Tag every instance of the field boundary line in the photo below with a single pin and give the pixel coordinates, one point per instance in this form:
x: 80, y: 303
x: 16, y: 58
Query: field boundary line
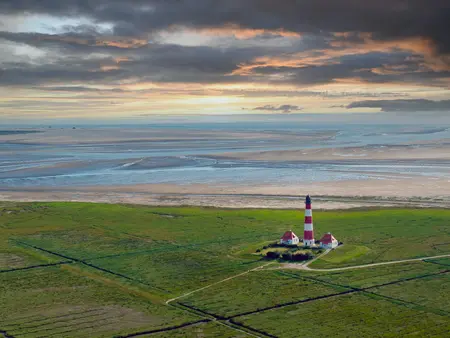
x: 437, y: 263
x: 6, y: 334
x: 266, y: 334
x: 36, y: 266
x: 170, y: 328
x: 212, y: 317
x: 401, y: 302
x: 203, y: 312
x: 294, y: 266
x: 77, y: 260
x: 217, y: 318
x: 397, y: 281
x: 307, y: 300
x: 232, y: 326
x: 219, y: 282
x: 350, y: 290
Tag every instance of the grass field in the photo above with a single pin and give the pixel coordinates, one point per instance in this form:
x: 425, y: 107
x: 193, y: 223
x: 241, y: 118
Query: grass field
x: 55, y: 301
x: 369, y: 277
x: 96, y: 270
x: 201, y: 330
x: 255, y: 291
x: 353, y: 315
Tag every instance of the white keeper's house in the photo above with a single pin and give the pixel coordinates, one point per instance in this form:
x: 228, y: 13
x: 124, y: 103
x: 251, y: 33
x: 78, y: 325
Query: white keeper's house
x: 289, y: 238
x: 328, y: 241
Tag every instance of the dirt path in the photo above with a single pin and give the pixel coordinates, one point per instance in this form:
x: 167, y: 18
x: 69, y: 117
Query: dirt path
x: 305, y: 266
x: 221, y: 281
x: 226, y: 323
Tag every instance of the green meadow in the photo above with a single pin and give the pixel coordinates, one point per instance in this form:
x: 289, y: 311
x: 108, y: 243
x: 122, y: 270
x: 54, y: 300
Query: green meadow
x: 100, y: 270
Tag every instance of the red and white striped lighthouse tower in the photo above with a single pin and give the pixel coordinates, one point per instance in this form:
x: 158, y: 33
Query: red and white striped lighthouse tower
x: 308, y: 235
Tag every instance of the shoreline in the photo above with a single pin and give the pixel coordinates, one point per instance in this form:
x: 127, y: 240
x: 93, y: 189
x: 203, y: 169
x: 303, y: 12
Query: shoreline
x: 229, y: 201
x: 400, y: 191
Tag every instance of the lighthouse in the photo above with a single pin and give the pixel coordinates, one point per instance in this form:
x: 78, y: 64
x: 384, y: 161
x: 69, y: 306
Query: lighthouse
x: 308, y: 235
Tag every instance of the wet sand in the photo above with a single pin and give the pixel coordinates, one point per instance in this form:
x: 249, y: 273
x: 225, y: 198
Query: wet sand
x: 80, y: 136
x: 426, y: 151
x: 417, y: 192
x: 89, y: 151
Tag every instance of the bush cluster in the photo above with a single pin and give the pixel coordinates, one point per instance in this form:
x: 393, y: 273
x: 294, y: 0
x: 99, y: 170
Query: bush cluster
x: 278, y: 245
x: 273, y: 254
x: 288, y: 256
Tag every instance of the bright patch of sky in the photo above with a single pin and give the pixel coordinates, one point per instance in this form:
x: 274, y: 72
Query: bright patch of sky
x: 16, y: 52
x: 45, y: 24
x: 193, y: 38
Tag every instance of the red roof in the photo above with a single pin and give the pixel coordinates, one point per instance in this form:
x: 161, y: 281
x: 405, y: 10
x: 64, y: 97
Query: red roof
x: 327, y: 238
x: 288, y: 236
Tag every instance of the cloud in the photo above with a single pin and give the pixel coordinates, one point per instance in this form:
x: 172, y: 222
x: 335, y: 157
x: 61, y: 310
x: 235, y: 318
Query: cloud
x: 307, y: 93
x: 349, y: 42
x: 79, y: 89
x: 285, y: 108
x: 74, y: 40
x: 386, y: 19
x: 80, y: 63
x: 244, y: 48
x: 409, y: 105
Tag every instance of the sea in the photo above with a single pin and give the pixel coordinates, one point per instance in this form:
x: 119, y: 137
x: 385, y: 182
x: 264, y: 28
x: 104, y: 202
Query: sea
x: 188, y: 150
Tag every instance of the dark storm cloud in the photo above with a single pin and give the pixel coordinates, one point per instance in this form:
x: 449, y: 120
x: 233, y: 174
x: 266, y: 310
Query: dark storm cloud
x: 80, y: 62
x: 410, y: 105
x: 79, y: 89
x: 74, y: 43
x: 155, y: 63
x: 284, y: 108
x: 53, y: 104
x: 81, y: 58
x: 369, y: 67
x: 88, y: 54
x: 49, y: 74
x: 386, y: 19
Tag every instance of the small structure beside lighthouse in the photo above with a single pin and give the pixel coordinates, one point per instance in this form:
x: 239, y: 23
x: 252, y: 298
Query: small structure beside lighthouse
x: 308, y: 234
x: 328, y: 241
x: 289, y: 238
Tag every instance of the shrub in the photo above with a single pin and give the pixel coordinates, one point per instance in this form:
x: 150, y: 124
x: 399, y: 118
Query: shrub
x: 273, y: 255
x: 302, y: 256
x: 287, y: 256
x: 299, y: 257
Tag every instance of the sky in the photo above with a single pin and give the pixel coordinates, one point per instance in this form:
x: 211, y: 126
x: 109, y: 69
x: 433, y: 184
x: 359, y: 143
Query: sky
x: 83, y: 59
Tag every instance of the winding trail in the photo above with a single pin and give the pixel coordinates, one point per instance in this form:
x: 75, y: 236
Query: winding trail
x: 215, y: 320
x: 221, y: 281
x: 306, y: 267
